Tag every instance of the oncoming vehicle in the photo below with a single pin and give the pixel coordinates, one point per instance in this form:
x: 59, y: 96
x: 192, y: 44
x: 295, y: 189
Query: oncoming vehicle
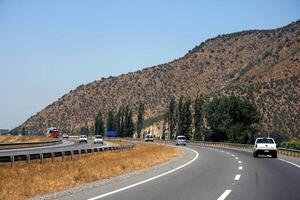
x: 65, y: 136
x: 98, y: 139
x: 53, y: 132
x: 149, y: 138
x: 83, y: 138
x: 180, y: 140
x: 265, y: 146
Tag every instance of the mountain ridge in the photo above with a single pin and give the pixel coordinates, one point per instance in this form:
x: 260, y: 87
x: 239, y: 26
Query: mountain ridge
x: 247, y: 59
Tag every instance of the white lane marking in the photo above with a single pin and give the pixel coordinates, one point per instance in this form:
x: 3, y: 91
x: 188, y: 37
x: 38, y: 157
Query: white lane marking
x: 227, y: 153
x: 289, y: 162
x: 232, y: 155
x: 240, y: 167
x: 237, y: 177
x: 147, y: 180
x: 224, y: 195
x: 222, y: 151
x: 236, y: 158
x: 240, y: 162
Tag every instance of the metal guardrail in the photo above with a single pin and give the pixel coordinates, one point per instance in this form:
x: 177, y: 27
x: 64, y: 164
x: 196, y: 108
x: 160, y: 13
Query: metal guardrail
x: 246, y: 147
x: 28, y: 144
x: 63, y: 154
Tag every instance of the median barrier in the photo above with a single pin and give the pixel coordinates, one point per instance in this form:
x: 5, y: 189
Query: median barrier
x: 4, y: 146
x: 67, y: 153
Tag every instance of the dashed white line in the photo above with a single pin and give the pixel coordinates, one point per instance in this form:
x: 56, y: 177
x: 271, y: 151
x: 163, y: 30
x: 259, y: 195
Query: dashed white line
x: 236, y: 158
x: 240, y: 162
x: 237, y: 177
x: 289, y: 162
x: 147, y: 180
x: 240, y: 167
x: 232, y: 155
x: 227, y: 153
x: 224, y: 195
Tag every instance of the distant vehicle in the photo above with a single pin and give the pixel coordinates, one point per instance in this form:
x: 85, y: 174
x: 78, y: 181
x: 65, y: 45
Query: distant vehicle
x: 83, y: 138
x: 65, y: 136
x: 180, y: 140
x: 98, y: 139
x: 265, y: 146
x: 149, y: 138
x: 53, y: 132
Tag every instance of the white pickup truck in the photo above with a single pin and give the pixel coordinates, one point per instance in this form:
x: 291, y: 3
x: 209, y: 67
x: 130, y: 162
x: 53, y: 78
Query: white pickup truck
x: 265, y: 146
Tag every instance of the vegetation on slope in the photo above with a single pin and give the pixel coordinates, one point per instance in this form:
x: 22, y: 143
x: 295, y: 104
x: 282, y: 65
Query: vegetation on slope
x: 260, y: 65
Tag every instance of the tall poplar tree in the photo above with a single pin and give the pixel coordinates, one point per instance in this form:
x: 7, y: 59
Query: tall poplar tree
x: 140, y: 120
x: 99, y: 124
x: 172, y: 117
x: 198, y: 117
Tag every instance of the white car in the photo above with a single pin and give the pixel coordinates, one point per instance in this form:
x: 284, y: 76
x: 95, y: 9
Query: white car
x: 83, y: 138
x: 265, y: 146
x: 65, y: 136
x: 148, y: 138
x: 98, y: 139
x: 180, y: 140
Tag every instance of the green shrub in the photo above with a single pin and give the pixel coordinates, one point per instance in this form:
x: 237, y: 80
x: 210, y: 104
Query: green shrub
x: 294, y: 144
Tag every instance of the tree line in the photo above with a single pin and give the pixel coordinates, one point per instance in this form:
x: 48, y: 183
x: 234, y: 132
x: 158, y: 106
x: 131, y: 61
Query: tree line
x: 120, y: 121
x: 220, y: 119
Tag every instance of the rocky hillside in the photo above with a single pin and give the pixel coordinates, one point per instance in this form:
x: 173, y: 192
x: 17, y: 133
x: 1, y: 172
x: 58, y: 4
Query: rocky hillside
x: 260, y: 65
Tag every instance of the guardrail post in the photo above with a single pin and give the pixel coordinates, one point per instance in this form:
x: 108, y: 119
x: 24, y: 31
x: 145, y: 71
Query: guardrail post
x: 41, y: 157
x: 28, y: 159
x: 62, y: 156
x: 52, y: 157
x: 12, y: 161
x: 72, y: 153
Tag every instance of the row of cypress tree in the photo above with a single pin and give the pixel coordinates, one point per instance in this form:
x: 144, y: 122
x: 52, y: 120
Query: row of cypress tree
x: 179, y: 116
x: 226, y: 119
x: 121, y: 121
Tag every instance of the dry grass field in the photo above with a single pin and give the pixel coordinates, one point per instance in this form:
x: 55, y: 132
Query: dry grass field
x: 19, y: 139
x: 24, y: 181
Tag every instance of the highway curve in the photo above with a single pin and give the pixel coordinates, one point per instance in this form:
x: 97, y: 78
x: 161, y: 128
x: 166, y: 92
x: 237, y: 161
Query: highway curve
x: 203, y: 174
x: 65, y: 146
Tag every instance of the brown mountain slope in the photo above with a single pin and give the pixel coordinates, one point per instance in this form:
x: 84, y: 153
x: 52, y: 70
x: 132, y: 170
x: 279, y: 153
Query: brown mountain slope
x: 260, y: 65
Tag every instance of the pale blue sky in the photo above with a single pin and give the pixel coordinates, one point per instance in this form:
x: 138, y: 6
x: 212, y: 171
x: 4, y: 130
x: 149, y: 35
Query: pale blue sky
x: 49, y: 47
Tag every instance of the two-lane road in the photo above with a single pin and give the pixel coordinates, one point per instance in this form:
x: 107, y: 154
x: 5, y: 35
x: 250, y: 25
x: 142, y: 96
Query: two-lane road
x: 204, y: 173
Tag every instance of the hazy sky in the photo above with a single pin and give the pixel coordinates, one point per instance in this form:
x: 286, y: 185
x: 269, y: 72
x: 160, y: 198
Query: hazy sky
x: 49, y: 47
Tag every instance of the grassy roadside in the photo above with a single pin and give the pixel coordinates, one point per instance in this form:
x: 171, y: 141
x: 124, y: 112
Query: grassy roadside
x: 19, y: 139
x: 24, y: 181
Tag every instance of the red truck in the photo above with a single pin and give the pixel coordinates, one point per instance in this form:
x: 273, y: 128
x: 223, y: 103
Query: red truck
x: 53, y: 132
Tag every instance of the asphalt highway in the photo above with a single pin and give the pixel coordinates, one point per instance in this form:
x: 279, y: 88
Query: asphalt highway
x: 65, y: 146
x: 204, y: 174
